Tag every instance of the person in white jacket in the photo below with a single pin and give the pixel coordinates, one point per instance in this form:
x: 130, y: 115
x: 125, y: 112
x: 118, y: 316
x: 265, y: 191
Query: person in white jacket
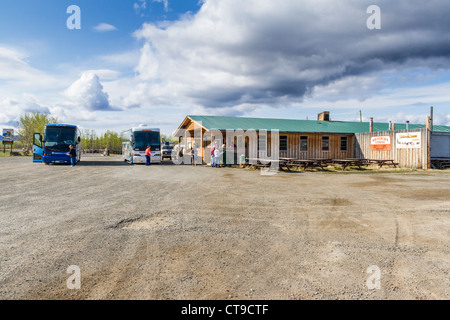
x: 217, y: 157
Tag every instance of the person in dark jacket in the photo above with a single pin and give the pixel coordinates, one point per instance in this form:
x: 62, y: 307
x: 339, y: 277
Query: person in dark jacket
x: 73, y: 155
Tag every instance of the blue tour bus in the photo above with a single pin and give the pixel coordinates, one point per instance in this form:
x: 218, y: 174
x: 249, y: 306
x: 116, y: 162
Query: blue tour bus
x: 53, y: 148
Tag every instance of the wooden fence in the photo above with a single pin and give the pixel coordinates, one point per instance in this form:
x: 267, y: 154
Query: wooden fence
x: 414, y: 156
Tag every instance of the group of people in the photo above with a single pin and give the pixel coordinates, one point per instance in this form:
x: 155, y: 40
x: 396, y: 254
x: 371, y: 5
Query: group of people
x: 215, y: 156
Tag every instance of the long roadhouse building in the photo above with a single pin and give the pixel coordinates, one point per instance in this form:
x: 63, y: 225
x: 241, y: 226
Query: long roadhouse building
x: 321, y: 138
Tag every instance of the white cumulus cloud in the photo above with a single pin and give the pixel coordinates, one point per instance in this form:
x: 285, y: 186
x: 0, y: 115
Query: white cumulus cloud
x: 104, y: 27
x: 12, y: 107
x: 16, y: 70
x: 87, y: 92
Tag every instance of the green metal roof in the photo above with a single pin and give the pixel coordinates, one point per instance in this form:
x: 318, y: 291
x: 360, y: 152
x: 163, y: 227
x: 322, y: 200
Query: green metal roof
x: 306, y: 126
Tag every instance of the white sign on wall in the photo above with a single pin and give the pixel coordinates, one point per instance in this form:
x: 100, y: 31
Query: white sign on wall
x: 408, y: 140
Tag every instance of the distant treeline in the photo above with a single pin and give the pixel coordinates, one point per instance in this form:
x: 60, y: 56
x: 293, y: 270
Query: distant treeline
x: 110, y: 140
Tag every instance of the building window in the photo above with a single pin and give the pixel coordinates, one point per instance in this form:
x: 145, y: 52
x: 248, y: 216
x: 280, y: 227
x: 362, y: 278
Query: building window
x: 344, y: 144
x: 239, y: 142
x: 283, y: 143
x: 303, y: 143
x: 326, y: 144
x: 262, y: 143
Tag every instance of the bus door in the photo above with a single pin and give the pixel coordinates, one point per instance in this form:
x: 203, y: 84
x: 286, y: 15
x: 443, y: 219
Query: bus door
x: 38, y: 150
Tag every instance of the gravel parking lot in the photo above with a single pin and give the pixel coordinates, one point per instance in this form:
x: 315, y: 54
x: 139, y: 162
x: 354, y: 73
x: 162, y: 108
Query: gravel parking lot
x: 182, y: 232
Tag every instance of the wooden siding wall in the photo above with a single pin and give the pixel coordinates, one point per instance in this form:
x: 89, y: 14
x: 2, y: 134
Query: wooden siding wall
x: 409, y: 158
x: 315, y: 146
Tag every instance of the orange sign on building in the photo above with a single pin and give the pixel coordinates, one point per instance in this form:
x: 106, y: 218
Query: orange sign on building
x: 381, y: 143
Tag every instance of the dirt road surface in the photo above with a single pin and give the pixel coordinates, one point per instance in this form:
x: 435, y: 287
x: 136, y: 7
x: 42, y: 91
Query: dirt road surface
x: 182, y: 232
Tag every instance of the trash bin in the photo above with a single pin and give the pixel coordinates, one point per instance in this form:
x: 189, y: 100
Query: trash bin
x: 242, y: 159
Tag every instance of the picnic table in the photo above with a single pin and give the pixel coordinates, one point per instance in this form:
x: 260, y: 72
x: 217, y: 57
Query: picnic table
x: 280, y: 164
x: 304, y: 163
x: 383, y: 162
x: 344, y: 163
x: 287, y: 159
x: 287, y: 163
x: 321, y: 162
x: 256, y: 162
x: 265, y: 163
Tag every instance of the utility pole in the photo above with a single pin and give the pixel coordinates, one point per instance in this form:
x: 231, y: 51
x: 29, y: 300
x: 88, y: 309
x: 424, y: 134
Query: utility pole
x: 107, y: 143
x: 431, y: 118
x: 360, y: 116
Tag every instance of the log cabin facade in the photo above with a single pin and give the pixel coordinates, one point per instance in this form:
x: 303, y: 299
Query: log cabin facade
x: 277, y: 138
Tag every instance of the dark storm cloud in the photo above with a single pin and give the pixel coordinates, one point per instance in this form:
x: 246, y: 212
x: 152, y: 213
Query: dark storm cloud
x: 242, y: 52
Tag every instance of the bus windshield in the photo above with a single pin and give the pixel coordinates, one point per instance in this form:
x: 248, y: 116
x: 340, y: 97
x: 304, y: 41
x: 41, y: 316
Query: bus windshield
x: 59, y: 139
x: 142, y: 139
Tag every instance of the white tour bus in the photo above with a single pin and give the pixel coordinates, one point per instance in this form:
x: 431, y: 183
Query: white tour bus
x: 136, y: 141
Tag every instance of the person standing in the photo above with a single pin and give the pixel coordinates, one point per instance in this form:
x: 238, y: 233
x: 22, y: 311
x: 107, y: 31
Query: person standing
x: 213, y: 160
x: 217, y: 157
x: 194, y: 156
x: 73, y: 155
x: 148, y: 155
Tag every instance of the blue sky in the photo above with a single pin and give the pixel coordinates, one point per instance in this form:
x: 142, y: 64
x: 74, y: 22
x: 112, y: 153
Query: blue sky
x: 40, y: 27
x: 156, y: 61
